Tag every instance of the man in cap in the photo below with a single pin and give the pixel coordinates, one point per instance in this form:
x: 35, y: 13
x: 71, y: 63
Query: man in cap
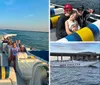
x: 82, y: 15
x: 60, y: 27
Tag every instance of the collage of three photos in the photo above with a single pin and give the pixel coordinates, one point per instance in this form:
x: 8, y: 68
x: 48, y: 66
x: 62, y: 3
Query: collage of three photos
x: 74, y: 42
x: 49, y: 42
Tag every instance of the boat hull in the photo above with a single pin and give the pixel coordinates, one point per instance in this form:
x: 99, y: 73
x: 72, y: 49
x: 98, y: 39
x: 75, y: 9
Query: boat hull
x: 72, y: 63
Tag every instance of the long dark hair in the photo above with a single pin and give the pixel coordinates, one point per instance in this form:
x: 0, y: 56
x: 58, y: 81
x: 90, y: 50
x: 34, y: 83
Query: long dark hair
x: 73, y: 12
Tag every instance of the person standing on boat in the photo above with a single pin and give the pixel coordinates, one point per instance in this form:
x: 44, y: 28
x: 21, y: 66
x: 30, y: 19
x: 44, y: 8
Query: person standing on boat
x: 18, y: 43
x: 82, y: 15
x: 60, y: 27
x: 14, y: 51
x: 71, y: 25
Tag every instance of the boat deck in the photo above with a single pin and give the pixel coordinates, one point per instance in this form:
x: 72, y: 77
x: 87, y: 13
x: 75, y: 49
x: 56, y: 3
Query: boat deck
x: 20, y: 81
x: 40, y: 64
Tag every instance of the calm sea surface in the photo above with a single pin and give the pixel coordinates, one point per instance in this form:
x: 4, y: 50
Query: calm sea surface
x: 94, y: 4
x: 75, y: 75
x: 37, y: 40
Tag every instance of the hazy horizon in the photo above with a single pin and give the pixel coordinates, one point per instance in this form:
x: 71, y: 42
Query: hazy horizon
x: 22, y: 29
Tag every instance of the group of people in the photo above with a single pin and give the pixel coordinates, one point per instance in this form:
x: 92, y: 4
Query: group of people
x: 71, y: 20
x: 14, y: 47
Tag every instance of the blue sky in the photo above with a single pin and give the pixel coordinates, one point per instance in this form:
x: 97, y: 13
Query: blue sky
x: 75, y: 47
x: 24, y: 14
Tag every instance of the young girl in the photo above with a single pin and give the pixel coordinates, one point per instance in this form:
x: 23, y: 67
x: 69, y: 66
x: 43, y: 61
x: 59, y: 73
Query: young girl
x: 71, y: 24
x: 14, y: 51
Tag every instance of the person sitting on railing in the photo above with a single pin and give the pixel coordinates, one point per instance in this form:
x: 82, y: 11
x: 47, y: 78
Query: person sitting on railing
x: 60, y: 27
x: 71, y: 25
x: 82, y: 15
x: 22, y: 48
x: 5, y: 40
x: 14, y: 51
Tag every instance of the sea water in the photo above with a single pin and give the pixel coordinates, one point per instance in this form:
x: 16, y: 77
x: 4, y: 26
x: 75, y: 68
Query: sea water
x: 31, y: 39
x: 93, y: 4
x: 75, y: 75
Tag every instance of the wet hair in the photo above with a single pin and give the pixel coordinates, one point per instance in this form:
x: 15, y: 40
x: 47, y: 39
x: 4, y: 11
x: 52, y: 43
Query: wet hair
x: 9, y: 43
x: 13, y: 43
x: 73, y: 12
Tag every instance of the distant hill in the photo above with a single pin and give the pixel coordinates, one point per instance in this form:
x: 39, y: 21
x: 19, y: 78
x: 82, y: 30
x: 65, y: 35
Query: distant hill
x: 73, y: 54
x: 88, y: 52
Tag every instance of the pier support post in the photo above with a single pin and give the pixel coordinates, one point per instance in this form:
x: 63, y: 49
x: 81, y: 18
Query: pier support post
x: 57, y: 58
x: 61, y: 58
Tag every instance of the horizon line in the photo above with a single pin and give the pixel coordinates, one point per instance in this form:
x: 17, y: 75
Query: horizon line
x: 23, y: 30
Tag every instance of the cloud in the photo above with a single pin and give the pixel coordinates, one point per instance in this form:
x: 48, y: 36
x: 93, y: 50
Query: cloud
x: 9, y: 2
x: 74, y: 47
x: 29, y: 15
x: 79, y: 46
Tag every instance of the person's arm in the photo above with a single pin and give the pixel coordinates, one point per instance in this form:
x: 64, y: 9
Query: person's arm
x: 78, y: 27
x: 87, y: 13
x: 90, y: 10
x: 67, y: 28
